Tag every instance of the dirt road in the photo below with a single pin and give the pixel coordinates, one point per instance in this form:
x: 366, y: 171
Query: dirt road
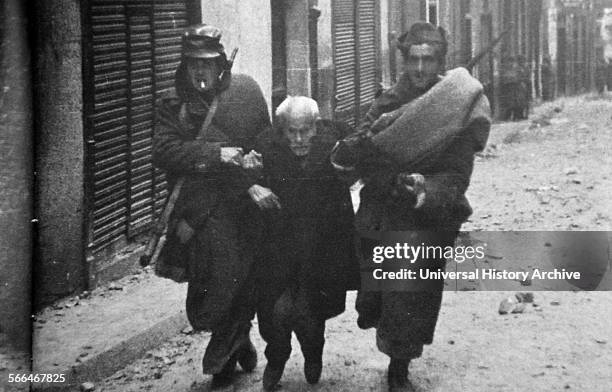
x: 549, y: 173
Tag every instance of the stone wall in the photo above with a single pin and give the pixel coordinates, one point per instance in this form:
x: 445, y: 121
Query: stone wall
x: 60, y: 149
x: 15, y: 174
x: 245, y: 25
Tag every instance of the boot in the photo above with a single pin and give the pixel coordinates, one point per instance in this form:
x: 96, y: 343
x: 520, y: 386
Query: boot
x: 397, y: 376
x: 272, y: 375
x: 364, y: 322
x: 226, y: 376
x: 247, y: 357
x: 312, y: 371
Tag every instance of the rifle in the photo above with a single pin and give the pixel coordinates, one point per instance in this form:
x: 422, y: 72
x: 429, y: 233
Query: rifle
x: 476, y: 59
x: 158, y: 239
x: 229, y: 64
x: 160, y: 230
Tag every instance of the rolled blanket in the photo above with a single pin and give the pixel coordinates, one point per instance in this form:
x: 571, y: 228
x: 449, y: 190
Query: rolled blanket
x: 427, y: 125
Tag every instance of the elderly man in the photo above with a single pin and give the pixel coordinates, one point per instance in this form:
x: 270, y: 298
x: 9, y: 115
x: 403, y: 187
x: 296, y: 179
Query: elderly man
x: 415, y: 154
x: 308, y: 261
x: 202, y: 132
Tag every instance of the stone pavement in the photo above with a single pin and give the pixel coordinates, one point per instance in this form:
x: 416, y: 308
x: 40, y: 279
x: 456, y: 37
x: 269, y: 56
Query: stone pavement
x: 91, y: 336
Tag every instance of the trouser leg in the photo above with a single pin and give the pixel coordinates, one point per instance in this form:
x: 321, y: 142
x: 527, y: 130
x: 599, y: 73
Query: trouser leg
x: 368, y: 306
x: 223, y: 344
x: 275, y: 328
x: 310, y: 332
x: 232, y: 333
x: 399, y: 349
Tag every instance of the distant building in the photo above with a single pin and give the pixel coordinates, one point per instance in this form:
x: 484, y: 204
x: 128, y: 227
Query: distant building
x: 606, y: 34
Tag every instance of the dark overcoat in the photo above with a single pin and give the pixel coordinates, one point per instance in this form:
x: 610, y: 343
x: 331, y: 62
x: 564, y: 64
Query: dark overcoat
x: 411, y: 316
x: 515, y: 92
x: 217, y: 260
x: 309, y: 241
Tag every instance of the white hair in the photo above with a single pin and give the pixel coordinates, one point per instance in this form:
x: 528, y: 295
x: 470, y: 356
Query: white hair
x: 297, y: 106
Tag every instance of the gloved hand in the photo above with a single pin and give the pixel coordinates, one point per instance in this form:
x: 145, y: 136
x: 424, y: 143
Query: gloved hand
x: 183, y: 231
x: 350, y: 152
x: 411, y: 187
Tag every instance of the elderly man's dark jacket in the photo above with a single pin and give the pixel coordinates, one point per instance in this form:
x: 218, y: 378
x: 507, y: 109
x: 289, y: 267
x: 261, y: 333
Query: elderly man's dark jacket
x: 309, y: 241
x: 214, y: 201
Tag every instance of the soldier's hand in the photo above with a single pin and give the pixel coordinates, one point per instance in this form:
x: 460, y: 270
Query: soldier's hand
x: 264, y: 197
x: 252, y: 160
x: 384, y: 121
x: 232, y: 155
x: 412, y: 187
x: 183, y: 231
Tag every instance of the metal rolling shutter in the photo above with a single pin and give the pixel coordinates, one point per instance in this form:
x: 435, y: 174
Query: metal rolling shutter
x: 368, y: 65
x: 135, y: 48
x: 345, y: 60
x: 355, y: 57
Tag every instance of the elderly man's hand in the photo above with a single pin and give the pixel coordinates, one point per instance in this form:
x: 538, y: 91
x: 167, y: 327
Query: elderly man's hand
x: 264, y: 197
x: 232, y: 155
x: 411, y: 186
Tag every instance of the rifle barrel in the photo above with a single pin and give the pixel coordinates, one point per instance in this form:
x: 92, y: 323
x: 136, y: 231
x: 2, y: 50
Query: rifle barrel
x: 476, y: 59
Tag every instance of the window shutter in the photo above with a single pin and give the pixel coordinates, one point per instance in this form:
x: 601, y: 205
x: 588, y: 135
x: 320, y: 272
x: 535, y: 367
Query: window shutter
x: 368, y: 65
x: 134, y: 51
x: 345, y: 60
x: 356, y: 60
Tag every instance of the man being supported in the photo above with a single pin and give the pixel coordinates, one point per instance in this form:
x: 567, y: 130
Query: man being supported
x: 308, y: 260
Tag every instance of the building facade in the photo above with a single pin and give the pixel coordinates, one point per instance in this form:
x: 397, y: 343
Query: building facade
x: 101, y: 65
x: 16, y: 177
x: 559, y: 30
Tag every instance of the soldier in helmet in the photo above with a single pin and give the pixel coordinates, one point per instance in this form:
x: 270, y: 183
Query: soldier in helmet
x: 212, y: 233
x: 424, y: 197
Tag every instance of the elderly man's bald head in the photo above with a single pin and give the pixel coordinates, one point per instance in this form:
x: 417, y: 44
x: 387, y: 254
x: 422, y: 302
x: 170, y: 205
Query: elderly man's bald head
x: 297, y: 108
x: 296, y: 118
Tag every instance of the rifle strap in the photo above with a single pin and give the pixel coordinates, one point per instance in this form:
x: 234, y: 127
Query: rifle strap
x: 209, y: 117
x: 176, y: 190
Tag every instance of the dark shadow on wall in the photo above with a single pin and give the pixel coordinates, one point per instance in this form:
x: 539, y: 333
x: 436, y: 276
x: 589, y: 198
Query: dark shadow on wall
x: 15, y: 176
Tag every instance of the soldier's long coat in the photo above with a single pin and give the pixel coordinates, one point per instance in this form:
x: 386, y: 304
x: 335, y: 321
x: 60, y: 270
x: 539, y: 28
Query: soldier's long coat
x: 406, y: 319
x: 217, y: 261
